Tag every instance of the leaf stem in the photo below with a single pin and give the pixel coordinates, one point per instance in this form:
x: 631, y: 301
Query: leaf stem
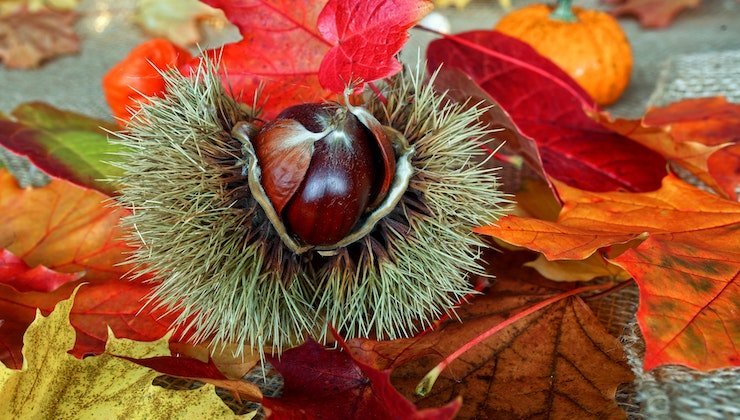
x: 378, y: 93
x: 514, y: 160
x: 426, y: 384
x: 564, y: 12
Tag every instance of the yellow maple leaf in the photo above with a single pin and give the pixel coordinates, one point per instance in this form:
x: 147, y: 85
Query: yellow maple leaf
x: 447, y: 3
x: 176, y: 20
x: 52, y: 384
x: 578, y: 270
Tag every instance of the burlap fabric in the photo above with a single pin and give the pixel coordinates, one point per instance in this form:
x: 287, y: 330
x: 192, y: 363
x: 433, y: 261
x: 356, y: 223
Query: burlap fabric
x: 697, y: 76
x: 22, y: 169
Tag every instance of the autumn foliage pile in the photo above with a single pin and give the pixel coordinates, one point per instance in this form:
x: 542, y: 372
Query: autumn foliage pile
x: 598, y: 199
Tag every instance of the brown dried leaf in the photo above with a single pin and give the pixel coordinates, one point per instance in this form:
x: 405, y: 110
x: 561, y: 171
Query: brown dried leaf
x: 653, y: 13
x: 28, y: 38
x: 558, y: 362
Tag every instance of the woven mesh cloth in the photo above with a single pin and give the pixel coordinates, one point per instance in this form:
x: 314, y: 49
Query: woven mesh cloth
x: 699, y: 75
x: 22, y: 169
x: 677, y: 392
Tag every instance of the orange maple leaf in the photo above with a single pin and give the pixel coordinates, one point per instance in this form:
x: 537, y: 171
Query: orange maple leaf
x: 709, y: 121
x: 69, y: 229
x: 63, y: 227
x: 688, y: 300
x: 691, y: 155
x: 590, y: 221
x: 687, y: 269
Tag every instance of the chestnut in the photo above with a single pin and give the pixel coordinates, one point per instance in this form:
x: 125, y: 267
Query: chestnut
x: 322, y: 169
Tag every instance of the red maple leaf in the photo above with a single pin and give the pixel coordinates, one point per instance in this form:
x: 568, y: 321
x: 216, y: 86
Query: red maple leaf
x: 365, y: 39
x: 322, y: 383
x: 291, y: 52
x: 549, y: 108
x: 18, y: 275
x: 303, y: 51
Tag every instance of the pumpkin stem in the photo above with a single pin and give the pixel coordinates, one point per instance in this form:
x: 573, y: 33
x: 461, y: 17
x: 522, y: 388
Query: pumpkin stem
x: 563, y: 11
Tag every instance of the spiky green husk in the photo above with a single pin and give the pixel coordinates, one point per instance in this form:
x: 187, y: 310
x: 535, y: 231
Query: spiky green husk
x: 427, y: 247
x: 215, y: 257
x: 202, y: 238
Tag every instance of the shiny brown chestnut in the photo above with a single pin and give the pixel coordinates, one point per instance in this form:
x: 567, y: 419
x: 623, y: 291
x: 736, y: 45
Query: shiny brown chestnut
x: 323, y: 168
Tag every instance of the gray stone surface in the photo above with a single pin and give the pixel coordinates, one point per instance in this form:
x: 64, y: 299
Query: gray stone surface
x: 73, y: 82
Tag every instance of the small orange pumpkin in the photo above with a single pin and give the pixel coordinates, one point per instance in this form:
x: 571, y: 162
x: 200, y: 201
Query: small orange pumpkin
x: 589, y: 45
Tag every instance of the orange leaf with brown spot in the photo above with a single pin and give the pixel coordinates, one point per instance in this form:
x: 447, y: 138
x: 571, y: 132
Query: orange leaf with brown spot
x: 689, y: 297
x: 687, y: 269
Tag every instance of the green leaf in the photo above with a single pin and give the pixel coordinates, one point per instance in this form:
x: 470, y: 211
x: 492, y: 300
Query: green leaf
x: 63, y: 144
